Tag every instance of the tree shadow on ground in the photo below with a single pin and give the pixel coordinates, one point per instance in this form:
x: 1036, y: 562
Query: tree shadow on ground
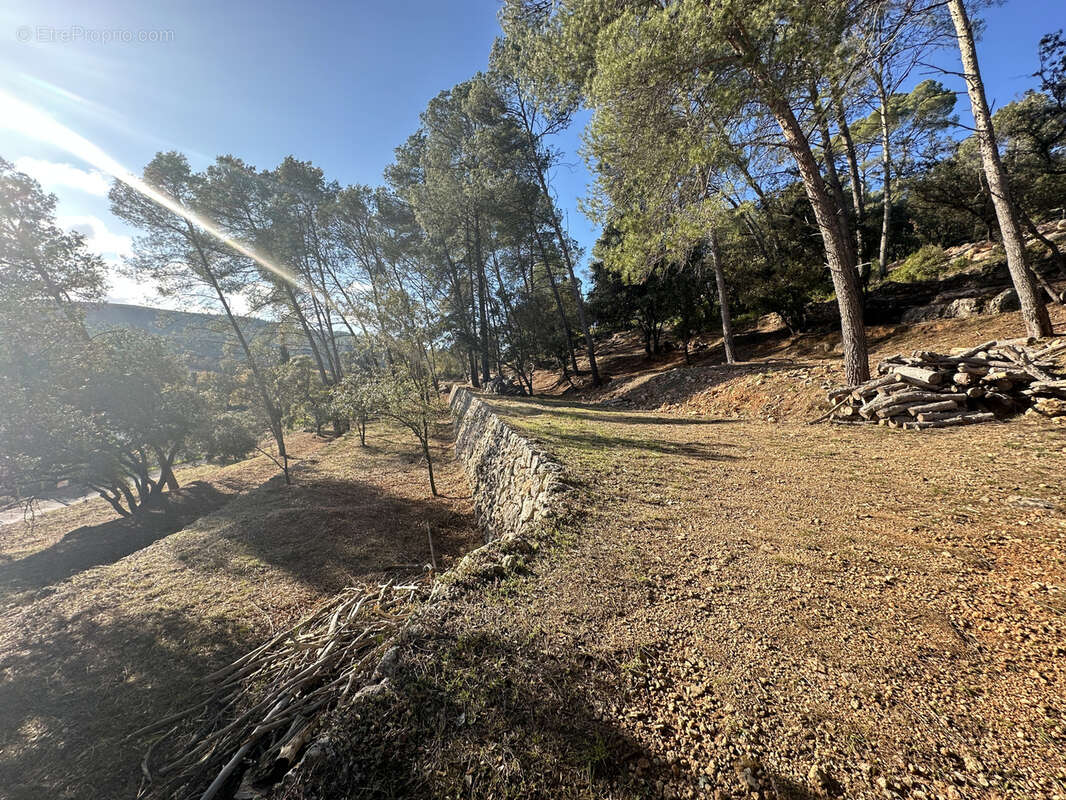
x: 594, y: 412
x: 480, y: 715
x: 93, y: 545
x: 82, y: 668
x: 591, y: 442
x: 75, y: 686
x: 579, y: 429
x: 331, y: 533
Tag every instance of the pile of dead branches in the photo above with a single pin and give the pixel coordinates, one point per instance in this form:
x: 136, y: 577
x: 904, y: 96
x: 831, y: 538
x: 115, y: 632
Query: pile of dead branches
x: 260, y: 712
x: 993, y: 380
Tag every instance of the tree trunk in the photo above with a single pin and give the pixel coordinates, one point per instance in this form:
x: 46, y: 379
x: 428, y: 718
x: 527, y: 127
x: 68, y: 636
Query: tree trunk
x: 1034, y: 312
x: 429, y: 458
x: 472, y: 359
x: 579, y: 301
x: 131, y: 501
x: 886, y: 170
x: 832, y: 178
x: 486, y: 371
x: 723, y: 301
x: 564, y: 245
x: 509, y: 317
x: 855, y: 178
x: 837, y: 250
x: 112, y: 498
x: 555, y: 294
x: 460, y: 308
x: 269, y: 406
x: 166, y: 469
x: 309, y: 334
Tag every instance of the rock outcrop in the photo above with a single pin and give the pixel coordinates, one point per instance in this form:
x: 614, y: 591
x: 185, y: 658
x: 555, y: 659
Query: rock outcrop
x: 967, y: 303
x: 505, y: 386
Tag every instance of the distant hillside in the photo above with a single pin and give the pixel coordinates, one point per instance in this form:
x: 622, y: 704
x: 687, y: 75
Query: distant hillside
x: 203, y: 338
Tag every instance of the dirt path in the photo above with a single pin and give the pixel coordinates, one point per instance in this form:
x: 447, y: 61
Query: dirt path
x: 67, y: 497
x: 10, y: 516
x: 740, y: 609
x: 106, y: 628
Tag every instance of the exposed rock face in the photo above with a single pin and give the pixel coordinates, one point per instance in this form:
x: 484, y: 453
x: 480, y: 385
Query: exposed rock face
x: 513, y: 482
x: 1007, y: 300
x: 922, y: 314
x: 962, y: 304
x: 501, y: 385
x: 963, y: 307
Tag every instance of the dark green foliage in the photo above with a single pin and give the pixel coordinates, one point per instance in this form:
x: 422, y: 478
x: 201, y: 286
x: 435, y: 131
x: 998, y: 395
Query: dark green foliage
x: 616, y: 305
x: 926, y: 264
x: 672, y: 297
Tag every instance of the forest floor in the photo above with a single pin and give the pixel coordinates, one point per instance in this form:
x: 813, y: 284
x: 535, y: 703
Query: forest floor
x: 108, y: 624
x: 731, y: 608
x: 778, y: 376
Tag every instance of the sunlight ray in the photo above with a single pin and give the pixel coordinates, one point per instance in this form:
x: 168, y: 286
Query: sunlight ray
x: 27, y: 120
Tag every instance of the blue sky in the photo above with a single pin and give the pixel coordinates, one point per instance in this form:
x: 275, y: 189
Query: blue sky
x: 337, y: 83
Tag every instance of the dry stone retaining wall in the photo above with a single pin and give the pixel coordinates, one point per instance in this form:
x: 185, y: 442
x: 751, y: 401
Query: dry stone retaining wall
x: 512, y: 480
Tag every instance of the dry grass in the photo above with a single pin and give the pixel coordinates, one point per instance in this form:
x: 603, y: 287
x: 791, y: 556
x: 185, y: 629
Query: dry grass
x: 91, y: 655
x: 43, y: 549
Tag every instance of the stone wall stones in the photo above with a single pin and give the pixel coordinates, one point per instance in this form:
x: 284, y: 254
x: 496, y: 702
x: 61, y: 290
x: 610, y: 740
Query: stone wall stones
x: 513, y: 482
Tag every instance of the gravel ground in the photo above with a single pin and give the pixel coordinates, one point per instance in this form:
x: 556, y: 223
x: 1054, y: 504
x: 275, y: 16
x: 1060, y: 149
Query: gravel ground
x: 741, y: 609
x: 840, y: 610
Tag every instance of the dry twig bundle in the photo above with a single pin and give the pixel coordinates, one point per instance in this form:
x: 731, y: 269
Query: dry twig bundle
x: 265, y: 705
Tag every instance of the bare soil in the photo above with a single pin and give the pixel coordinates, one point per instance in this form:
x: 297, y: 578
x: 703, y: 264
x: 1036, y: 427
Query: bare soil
x: 734, y: 609
x: 107, y: 624
x: 779, y: 376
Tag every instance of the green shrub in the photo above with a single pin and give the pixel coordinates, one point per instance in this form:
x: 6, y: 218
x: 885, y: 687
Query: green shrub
x: 926, y: 264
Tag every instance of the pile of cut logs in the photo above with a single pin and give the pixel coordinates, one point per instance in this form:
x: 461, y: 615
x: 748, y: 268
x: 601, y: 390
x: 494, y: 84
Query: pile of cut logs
x: 991, y: 381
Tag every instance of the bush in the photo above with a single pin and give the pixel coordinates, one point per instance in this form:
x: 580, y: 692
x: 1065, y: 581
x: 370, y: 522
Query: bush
x: 926, y: 264
x: 228, y: 437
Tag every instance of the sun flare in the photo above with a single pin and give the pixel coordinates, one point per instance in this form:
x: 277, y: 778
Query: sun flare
x: 29, y: 121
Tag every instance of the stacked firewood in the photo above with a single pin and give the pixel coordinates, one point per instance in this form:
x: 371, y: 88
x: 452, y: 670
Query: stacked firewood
x: 993, y: 380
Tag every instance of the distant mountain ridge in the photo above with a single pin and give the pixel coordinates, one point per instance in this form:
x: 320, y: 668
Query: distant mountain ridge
x: 205, y: 339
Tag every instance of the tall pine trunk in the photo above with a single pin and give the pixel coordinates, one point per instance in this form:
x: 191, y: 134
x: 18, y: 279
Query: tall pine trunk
x: 837, y: 248
x: 270, y: 407
x: 723, y: 301
x: 555, y: 294
x: 537, y: 164
x: 855, y: 179
x: 564, y: 246
x: 482, y: 294
x: 423, y: 439
x: 1034, y: 312
x: 886, y: 172
x: 832, y: 178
